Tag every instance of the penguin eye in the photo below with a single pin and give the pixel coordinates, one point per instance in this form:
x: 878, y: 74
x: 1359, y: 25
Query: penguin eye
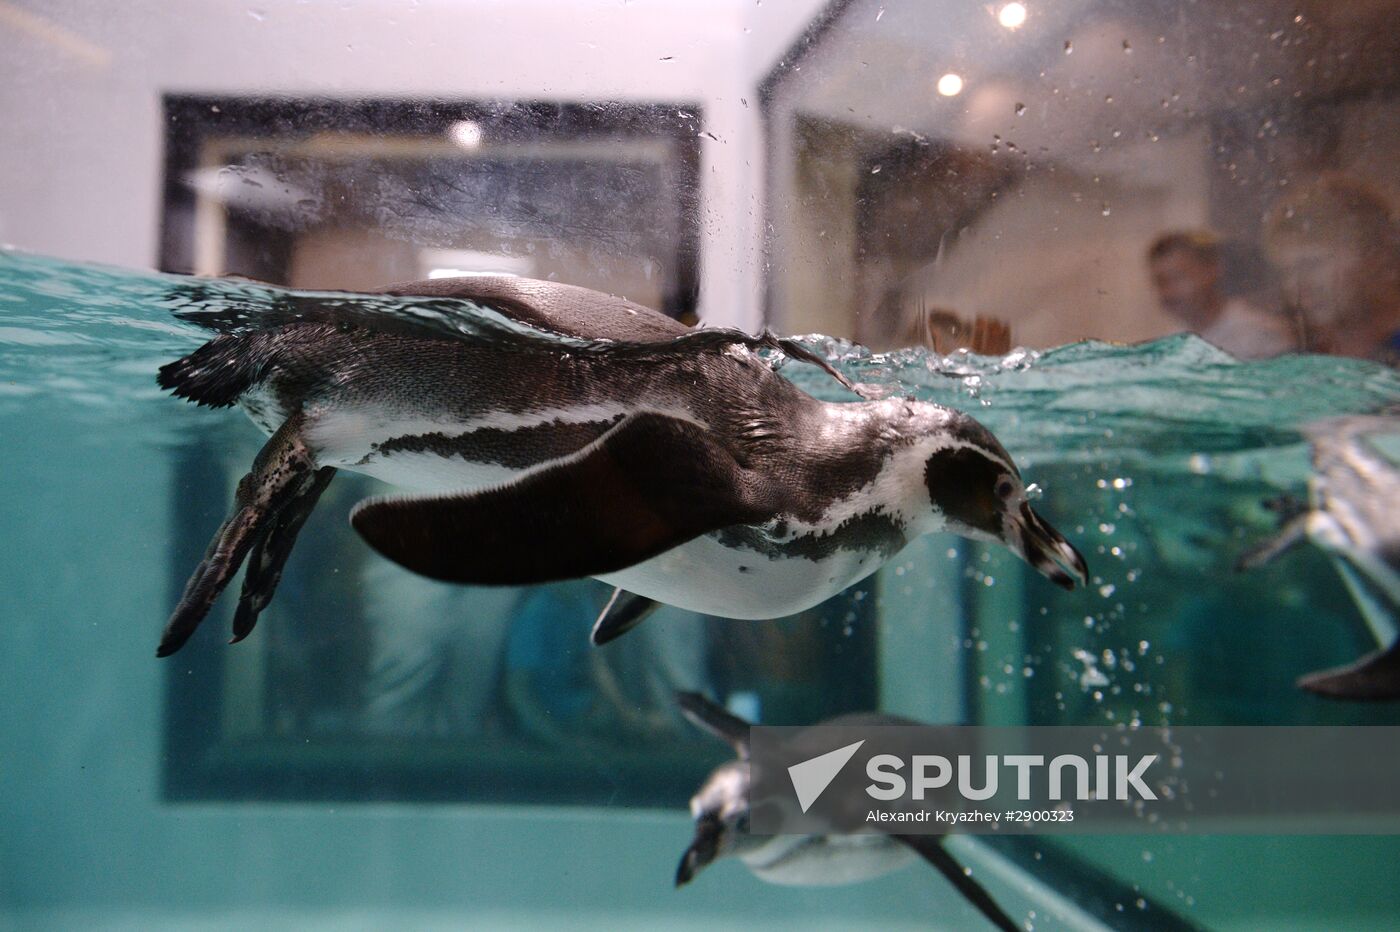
x: 1005, y: 487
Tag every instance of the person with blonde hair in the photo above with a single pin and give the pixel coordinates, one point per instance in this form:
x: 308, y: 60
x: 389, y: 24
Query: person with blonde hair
x: 1336, y: 244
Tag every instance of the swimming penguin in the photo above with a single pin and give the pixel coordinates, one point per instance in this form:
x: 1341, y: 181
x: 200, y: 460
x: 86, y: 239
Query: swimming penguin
x: 1354, y: 515
x: 672, y: 463
x: 721, y: 812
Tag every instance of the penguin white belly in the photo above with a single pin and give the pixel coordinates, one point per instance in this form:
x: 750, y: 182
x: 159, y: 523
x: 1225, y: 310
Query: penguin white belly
x: 705, y: 576
x: 427, y: 472
x: 351, y: 439
x: 826, y: 860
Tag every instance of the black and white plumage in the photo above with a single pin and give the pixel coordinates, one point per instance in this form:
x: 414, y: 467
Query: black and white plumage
x: 1353, y: 514
x: 672, y: 463
x: 720, y: 810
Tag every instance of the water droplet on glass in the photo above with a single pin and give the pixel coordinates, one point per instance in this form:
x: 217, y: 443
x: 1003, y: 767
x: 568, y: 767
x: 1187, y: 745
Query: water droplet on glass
x: 1069, y: 47
x: 879, y: 14
x: 258, y: 15
x: 1127, y: 47
x: 1106, y: 211
x: 1020, y: 109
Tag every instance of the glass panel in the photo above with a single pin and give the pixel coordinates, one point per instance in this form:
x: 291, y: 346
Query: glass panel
x: 1021, y: 210
x: 968, y: 177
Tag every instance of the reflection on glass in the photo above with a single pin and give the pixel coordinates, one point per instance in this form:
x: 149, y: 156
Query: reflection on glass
x: 965, y: 190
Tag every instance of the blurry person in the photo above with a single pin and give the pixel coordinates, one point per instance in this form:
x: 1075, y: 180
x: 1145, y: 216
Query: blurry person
x: 944, y: 332
x: 1336, y: 244
x: 1186, y: 274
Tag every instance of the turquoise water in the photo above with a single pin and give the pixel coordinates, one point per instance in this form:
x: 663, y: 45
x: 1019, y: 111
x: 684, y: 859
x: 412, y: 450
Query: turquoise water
x: 322, y: 774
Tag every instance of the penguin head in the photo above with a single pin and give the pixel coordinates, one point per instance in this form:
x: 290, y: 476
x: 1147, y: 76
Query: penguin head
x: 721, y: 813
x: 977, y: 492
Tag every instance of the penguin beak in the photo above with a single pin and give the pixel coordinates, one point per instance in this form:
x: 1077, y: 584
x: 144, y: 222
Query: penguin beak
x: 1046, y: 549
x: 703, y: 848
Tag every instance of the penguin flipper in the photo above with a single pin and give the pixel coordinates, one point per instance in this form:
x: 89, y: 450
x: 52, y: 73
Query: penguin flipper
x: 624, y: 611
x: 714, y: 718
x: 930, y: 848
x: 281, y: 472
x: 650, y: 483
x: 1374, y: 677
x: 270, y: 551
x: 1269, y: 549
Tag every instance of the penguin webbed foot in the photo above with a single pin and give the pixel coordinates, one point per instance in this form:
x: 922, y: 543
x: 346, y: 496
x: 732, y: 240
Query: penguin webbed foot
x: 284, y: 478
x: 225, y: 554
x: 270, y: 551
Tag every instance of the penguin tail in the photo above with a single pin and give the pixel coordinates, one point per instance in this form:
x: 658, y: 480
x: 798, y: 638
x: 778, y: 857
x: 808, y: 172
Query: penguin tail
x: 220, y: 371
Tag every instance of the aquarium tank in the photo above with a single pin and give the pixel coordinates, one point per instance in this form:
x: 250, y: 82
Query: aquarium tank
x: 1152, y: 247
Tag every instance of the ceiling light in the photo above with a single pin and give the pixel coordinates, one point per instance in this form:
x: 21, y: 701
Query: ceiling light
x: 466, y: 133
x: 1012, y: 16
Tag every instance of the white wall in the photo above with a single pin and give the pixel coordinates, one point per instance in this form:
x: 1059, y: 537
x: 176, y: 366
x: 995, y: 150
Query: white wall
x: 81, y: 83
